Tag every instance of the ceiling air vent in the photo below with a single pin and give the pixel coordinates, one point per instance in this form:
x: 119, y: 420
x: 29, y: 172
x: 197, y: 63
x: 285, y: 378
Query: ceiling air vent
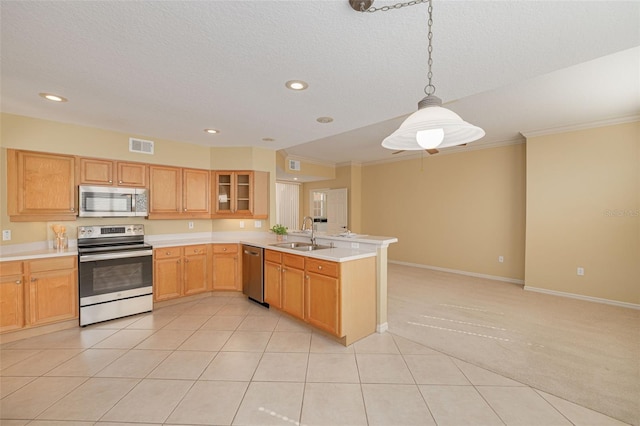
x: 140, y: 145
x: 294, y: 165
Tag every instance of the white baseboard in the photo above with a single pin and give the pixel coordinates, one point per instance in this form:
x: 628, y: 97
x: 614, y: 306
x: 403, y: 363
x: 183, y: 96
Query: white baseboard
x: 581, y: 297
x: 381, y: 328
x: 455, y: 271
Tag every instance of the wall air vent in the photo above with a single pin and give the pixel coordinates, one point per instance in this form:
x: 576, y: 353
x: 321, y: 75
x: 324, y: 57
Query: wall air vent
x: 140, y: 145
x: 294, y: 165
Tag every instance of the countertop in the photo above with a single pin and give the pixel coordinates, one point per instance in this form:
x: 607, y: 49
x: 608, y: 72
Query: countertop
x: 343, y: 251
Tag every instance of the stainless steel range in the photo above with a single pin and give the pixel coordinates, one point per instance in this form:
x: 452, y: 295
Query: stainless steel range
x: 115, y: 269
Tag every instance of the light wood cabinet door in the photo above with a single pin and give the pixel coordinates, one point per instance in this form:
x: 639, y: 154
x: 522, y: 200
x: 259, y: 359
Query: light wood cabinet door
x: 323, y: 302
x: 52, y: 296
x: 94, y: 171
x: 225, y: 272
x: 195, y: 269
x: 165, y: 191
x: 233, y: 194
x: 293, y: 291
x: 40, y: 186
x: 195, y: 193
x: 132, y: 174
x: 167, y: 273
x: 11, y: 296
x: 273, y: 284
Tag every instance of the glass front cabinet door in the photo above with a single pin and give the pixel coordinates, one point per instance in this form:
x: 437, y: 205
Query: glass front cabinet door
x: 234, y: 193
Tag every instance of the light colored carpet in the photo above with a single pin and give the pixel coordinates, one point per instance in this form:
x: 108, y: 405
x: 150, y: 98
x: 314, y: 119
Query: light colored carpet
x: 585, y: 352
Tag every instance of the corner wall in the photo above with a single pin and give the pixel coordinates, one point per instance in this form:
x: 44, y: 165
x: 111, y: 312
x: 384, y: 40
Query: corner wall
x: 583, y: 210
x: 454, y: 211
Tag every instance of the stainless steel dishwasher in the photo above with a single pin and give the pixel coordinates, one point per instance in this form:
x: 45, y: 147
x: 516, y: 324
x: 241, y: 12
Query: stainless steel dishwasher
x: 253, y: 273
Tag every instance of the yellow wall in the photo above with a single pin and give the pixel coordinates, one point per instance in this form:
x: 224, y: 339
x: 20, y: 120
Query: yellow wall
x: 458, y: 211
x: 583, y: 210
x: 34, y: 134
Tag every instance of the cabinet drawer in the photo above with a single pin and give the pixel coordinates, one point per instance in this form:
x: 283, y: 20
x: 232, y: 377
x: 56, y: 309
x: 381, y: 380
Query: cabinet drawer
x: 225, y: 248
x: 53, y: 264
x: 197, y: 249
x: 10, y: 268
x: 273, y: 256
x: 293, y: 261
x: 167, y: 252
x: 323, y: 267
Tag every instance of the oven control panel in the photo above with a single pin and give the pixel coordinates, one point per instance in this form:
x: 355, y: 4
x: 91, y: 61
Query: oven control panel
x: 110, y: 231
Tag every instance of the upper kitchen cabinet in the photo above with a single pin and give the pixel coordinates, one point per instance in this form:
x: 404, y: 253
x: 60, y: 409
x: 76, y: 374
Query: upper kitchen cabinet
x: 240, y: 194
x: 178, y: 193
x: 94, y: 171
x: 40, y: 186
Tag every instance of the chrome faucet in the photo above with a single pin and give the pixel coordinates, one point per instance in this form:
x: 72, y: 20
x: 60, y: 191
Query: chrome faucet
x: 304, y: 228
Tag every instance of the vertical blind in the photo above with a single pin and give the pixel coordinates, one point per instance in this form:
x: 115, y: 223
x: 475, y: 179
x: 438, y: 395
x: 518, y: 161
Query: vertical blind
x: 288, y: 205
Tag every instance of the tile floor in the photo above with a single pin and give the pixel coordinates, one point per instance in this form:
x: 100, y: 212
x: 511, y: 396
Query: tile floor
x: 223, y: 360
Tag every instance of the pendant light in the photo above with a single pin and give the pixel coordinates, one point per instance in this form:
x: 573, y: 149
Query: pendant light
x: 432, y: 126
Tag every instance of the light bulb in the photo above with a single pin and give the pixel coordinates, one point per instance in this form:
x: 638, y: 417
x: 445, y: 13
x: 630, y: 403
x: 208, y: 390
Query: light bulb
x: 430, y: 139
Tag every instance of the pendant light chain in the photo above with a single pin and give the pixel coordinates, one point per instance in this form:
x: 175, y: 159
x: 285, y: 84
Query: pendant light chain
x: 394, y: 6
x: 430, y: 89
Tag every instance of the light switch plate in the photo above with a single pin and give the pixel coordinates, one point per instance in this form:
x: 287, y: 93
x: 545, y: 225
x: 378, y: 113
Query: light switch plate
x: 242, y: 224
x: 257, y: 224
x: 6, y: 235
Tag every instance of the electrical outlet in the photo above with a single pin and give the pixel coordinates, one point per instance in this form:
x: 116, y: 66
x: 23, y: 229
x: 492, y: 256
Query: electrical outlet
x: 580, y: 271
x: 501, y: 259
x: 242, y: 224
x: 6, y: 235
x: 190, y: 225
x: 355, y: 245
x: 257, y: 224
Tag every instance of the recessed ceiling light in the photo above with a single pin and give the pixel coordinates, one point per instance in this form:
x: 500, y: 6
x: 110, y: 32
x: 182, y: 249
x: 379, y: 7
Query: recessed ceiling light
x: 52, y: 97
x: 212, y: 131
x: 296, y: 84
x: 268, y: 139
x: 324, y: 120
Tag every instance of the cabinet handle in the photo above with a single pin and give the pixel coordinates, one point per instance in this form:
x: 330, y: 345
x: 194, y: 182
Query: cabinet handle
x: 110, y: 181
x: 178, y: 261
x: 119, y: 181
x: 186, y: 261
x: 307, y: 277
x: 320, y: 267
x: 168, y: 253
x: 18, y: 282
x: 224, y: 249
x: 185, y: 209
x: 33, y: 280
x: 73, y: 209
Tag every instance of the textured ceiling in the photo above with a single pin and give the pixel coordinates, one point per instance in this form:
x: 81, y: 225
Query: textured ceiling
x: 171, y: 69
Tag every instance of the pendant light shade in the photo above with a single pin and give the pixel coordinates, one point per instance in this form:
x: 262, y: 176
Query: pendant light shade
x: 432, y: 126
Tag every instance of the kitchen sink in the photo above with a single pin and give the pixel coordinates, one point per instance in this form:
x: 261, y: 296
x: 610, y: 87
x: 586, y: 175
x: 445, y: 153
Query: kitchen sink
x: 311, y: 247
x: 297, y: 245
x: 292, y: 245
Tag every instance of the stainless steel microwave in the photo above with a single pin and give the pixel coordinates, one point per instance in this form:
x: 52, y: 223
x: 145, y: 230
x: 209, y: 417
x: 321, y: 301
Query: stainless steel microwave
x: 106, y: 201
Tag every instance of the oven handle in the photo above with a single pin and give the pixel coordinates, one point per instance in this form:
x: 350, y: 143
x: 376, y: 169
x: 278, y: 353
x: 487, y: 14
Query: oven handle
x: 116, y: 255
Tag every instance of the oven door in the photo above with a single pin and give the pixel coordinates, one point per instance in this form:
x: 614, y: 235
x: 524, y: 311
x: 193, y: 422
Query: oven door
x: 115, y: 275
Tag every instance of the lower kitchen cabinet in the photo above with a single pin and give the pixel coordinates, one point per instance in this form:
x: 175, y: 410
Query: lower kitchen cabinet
x: 180, y: 271
x: 11, y: 296
x: 52, y: 294
x: 273, y: 278
x: 336, y: 297
x: 323, y: 296
x: 226, y: 267
x: 38, y: 292
x: 293, y: 285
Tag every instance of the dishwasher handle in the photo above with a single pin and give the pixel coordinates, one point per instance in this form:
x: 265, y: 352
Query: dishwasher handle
x: 252, y: 253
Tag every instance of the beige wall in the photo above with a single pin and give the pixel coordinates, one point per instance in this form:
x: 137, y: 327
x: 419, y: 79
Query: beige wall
x: 27, y: 133
x: 458, y: 211
x: 583, y: 210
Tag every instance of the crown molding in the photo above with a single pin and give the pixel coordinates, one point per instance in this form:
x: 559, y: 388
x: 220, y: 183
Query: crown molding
x: 583, y: 126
